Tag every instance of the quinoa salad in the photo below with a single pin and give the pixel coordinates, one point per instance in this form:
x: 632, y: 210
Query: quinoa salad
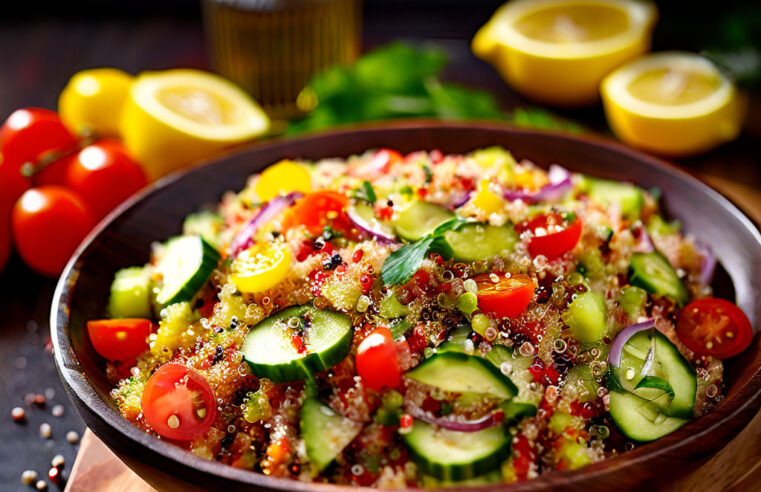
x: 419, y: 320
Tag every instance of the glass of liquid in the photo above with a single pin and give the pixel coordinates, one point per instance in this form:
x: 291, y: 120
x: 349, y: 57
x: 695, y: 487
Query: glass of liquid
x: 271, y: 48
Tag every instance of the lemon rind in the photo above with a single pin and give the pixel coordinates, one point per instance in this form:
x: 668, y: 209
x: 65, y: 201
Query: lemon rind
x: 642, y: 16
x: 255, y: 122
x: 615, y: 86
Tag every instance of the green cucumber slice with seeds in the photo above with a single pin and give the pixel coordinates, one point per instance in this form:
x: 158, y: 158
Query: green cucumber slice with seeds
x: 653, y: 369
x: 586, y: 316
x: 269, y: 350
x: 654, y: 273
x: 453, y: 455
x: 640, y: 419
x: 206, y: 224
x: 458, y: 372
x: 474, y: 242
x: 325, y: 432
x: 131, y: 293
x: 185, y: 266
x: 419, y: 219
x: 628, y: 197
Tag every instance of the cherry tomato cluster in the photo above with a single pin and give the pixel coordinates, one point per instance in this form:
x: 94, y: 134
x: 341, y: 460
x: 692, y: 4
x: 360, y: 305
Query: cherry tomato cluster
x: 54, y: 187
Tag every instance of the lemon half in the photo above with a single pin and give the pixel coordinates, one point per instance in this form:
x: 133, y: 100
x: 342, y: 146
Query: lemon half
x: 672, y: 103
x: 176, y: 117
x: 558, y: 51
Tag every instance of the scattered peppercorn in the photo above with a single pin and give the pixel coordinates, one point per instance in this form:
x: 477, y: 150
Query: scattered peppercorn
x: 332, y: 262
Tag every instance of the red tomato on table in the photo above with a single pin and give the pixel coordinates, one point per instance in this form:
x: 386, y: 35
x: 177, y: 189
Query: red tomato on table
x: 30, y: 133
x: 377, y: 362
x: 119, y: 339
x: 554, y: 234
x: 104, y: 175
x: 714, y: 327
x: 48, y: 224
x: 178, y: 403
x: 508, y: 297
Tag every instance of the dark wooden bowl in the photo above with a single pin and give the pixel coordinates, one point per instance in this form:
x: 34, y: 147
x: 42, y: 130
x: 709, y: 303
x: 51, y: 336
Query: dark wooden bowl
x: 124, y: 239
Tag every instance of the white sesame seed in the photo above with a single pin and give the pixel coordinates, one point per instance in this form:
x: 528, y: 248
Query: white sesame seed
x: 72, y: 437
x: 173, y: 422
x: 28, y: 477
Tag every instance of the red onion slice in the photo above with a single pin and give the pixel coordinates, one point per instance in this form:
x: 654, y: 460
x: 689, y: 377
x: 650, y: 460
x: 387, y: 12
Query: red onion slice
x: 644, y: 243
x: 462, y: 199
x: 367, y: 223
x: 708, y: 265
x: 614, y: 356
x: 245, y: 237
x: 494, y: 418
x: 560, y: 184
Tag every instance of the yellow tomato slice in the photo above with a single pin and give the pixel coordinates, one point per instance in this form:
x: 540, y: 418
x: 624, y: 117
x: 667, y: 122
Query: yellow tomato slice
x: 261, y: 267
x: 284, y: 177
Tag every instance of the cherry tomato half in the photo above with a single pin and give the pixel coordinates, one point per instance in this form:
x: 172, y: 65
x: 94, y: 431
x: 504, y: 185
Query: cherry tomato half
x: 380, y: 163
x: 48, y: 224
x: 319, y: 209
x: 29, y: 133
x: 714, y: 327
x: 178, y: 403
x: 104, y: 175
x: 554, y: 234
x: 119, y: 339
x: 377, y: 361
x: 508, y: 297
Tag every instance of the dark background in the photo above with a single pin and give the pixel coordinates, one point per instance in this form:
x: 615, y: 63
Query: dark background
x: 43, y: 43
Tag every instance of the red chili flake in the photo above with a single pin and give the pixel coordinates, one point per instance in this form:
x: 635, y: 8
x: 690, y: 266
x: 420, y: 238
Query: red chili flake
x: 340, y: 270
x: 366, y: 281
x: 547, y: 407
x: 357, y: 256
x: 405, y: 421
x: 421, y: 192
x: 385, y: 213
x: 466, y: 183
x: 417, y: 339
x: 298, y: 342
x: 587, y: 409
x: 316, y: 279
x: 437, y: 258
x: 537, y: 370
x: 523, y: 456
x: 431, y: 405
x: 422, y: 279
x: 551, y: 374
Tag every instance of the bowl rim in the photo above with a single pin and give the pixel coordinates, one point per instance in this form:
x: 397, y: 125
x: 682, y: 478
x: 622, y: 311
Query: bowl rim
x: 743, y: 406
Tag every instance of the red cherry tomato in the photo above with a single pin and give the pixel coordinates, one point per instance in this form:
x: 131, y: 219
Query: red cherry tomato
x: 48, y: 224
x: 714, y: 327
x: 119, y: 339
x: 377, y: 361
x: 12, y: 186
x: 178, y: 403
x: 381, y: 162
x: 29, y: 133
x: 553, y: 234
x: 104, y: 175
x: 508, y: 297
x: 319, y: 209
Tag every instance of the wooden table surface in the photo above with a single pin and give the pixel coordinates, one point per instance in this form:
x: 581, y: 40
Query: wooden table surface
x: 37, y: 59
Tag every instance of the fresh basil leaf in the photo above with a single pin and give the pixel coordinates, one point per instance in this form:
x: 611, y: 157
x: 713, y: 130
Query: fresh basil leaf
x: 398, y: 330
x: 402, y: 264
x: 613, y: 383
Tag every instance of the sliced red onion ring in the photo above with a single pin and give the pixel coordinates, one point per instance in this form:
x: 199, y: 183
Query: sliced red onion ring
x: 368, y: 223
x: 494, y: 418
x: 644, y: 243
x: 245, y: 237
x: 708, y: 265
x: 614, y: 356
x: 560, y: 184
x: 461, y: 199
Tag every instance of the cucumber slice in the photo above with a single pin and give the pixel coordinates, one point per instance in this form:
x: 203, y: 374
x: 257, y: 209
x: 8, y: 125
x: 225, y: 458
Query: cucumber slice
x: 269, y: 350
x: 640, y: 419
x: 474, y: 242
x: 419, y: 219
x: 458, y: 372
x: 586, y: 316
x: 325, y: 432
x: 185, y: 265
x: 452, y: 455
x: 654, y: 273
x: 131, y: 294
x: 665, y: 364
x: 515, y: 411
x: 206, y: 224
x: 633, y: 300
x: 627, y: 196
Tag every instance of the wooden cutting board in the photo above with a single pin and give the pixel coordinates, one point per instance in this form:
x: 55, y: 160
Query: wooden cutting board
x: 735, y: 468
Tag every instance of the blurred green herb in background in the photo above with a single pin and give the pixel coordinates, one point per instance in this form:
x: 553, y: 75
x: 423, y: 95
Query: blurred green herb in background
x: 401, y: 81
x: 736, y: 45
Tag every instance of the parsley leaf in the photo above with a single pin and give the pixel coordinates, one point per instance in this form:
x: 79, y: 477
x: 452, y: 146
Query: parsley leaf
x: 400, y: 265
x: 365, y: 192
